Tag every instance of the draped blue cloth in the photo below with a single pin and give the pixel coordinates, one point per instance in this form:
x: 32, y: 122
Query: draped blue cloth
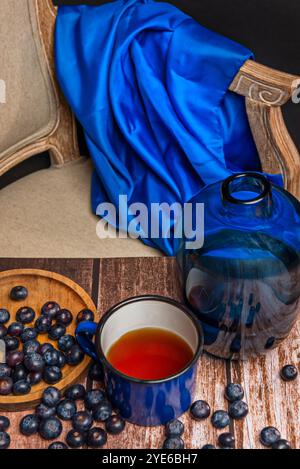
x: 150, y: 87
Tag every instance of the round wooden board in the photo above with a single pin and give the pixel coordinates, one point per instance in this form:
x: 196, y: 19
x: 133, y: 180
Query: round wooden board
x: 44, y: 286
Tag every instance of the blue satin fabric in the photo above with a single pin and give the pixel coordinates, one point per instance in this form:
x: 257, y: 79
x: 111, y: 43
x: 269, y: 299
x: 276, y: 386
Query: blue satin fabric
x: 150, y: 88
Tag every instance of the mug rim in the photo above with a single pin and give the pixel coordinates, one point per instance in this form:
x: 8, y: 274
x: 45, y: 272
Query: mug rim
x: 135, y: 299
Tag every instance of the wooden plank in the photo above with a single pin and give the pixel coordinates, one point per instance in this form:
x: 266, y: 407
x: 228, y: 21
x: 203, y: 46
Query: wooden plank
x: 80, y: 271
x: 122, y: 278
x: 271, y: 400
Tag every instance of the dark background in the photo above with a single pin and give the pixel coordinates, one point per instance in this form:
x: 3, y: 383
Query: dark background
x: 270, y: 28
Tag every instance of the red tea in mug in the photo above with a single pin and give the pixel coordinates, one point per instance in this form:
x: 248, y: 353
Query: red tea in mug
x: 150, y: 354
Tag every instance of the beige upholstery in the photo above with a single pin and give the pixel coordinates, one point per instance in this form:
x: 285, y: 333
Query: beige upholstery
x: 30, y: 109
x: 48, y: 214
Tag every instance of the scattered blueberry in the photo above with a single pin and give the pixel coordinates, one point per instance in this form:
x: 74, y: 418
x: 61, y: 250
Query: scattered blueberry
x: 3, y: 331
x: 74, y: 356
x: 75, y: 439
x: 64, y: 317
x: 93, y: 398
x: 220, y: 419
x: 85, y: 315
x: 4, y: 316
x: 281, y: 444
x: 175, y: 442
x: 20, y: 373
x: 50, y: 309
x: 57, y: 331
x: 4, y: 440
x: 45, y: 412
x: 5, y: 371
x: 58, y: 445
x: 200, y: 410
x: 50, y: 429
x: 51, y: 357
x: 289, y: 373
x: 4, y: 423
x: 66, y: 342
x: 82, y: 421
x: 75, y: 392
x: 6, y: 385
x: 66, y: 409
x: 19, y: 293
x: 226, y: 440
x: 103, y: 411
x: 14, y: 359
x: 15, y: 329
x: 52, y: 374
x: 269, y: 436
x: 29, y: 425
x: 114, y: 425
x: 31, y: 346
x: 21, y: 388
x: 43, y: 324
x: 35, y: 377
x: 234, y: 392
x: 11, y: 343
x: 34, y: 362
x: 174, y: 428
x: 96, y: 438
x: 45, y: 347
x: 208, y: 446
x: 29, y: 334
x: 96, y: 372
x: 25, y: 315
x: 61, y: 359
x: 51, y: 396
x: 238, y: 410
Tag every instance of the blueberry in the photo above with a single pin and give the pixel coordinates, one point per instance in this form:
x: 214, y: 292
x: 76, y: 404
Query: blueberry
x: 5, y: 371
x: 6, y: 385
x: 96, y: 438
x: 45, y: 412
x: 20, y: 373
x: 11, y: 343
x: 34, y: 362
x: 174, y: 428
x: 220, y: 419
x: 85, y: 315
x: 289, y: 373
x: 4, y: 316
x: 14, y: 359
x: 61, y: 359
x: 93, y: 398
x: 103, y: 411
x: 75, y: 439
x: 64, y: 317
x: 82, y: 421
x: 50, y: 309
x: 269, y: 436
x: 29, y: 334
x: 238, y: 410
x: 43, y: 324
x: 29, y: 425
x: 3, y: 331
x: 234, y: 392
x: 66, y: 342
x: 50, y: 429
x: 25, y: 315
x: 4, y: 440
x: 226, y: 440
x: 51, y: 357
x: 15, y: 329
x: 31, y: 346
x: 21, y: 388
x: 208, y: 446
x: 75, y: 392
x: 175, y: 442
x: 35, y: 377
x: 66, y: 409
x: 200, y: 410
x: 58, y: 445
x: 96, y: 372
x: 281, y: 444
x: 52, y: 374
x: 45, y: 347
x: 19, y: 293
x: 57, y: 331
x: 51, y: 396
x: 114, y: 425
x: 74, y: 356
x: 4, y: 423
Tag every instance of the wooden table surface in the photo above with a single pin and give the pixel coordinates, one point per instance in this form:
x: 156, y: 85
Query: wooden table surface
x: 271, y: 401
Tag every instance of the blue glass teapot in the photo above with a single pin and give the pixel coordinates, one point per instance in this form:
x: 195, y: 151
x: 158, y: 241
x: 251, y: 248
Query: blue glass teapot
x: 244, y: 283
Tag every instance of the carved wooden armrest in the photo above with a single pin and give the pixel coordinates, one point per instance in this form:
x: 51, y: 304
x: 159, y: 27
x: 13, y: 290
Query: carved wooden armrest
x: 266, y: 90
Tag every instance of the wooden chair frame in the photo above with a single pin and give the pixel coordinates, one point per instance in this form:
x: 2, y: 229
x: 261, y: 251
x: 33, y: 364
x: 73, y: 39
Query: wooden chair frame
x: 265, y: 90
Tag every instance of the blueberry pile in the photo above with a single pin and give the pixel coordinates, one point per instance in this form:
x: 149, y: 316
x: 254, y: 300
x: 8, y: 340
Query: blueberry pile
x: 30, y: 358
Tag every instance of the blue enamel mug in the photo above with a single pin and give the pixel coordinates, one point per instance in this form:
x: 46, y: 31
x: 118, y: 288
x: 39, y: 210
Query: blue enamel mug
x: 145, y: 402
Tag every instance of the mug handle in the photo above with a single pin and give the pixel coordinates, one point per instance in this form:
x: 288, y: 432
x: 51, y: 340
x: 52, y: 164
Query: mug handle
x: 87, y: 345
